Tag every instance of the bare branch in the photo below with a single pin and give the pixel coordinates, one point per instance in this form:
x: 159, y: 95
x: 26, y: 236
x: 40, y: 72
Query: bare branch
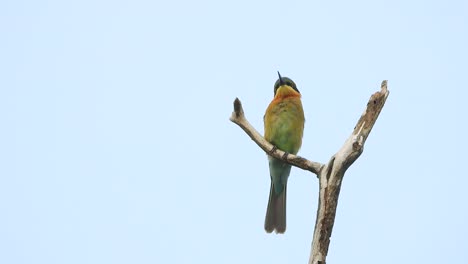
x: 331, y: 176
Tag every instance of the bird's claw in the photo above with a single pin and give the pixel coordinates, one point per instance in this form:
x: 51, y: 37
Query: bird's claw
x: 273, y: 149
x: 285, y: 155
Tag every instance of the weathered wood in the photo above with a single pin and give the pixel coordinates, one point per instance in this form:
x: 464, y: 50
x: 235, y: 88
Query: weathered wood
x: 331, y: 176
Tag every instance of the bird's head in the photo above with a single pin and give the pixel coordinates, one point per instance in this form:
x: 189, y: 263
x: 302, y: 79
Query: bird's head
x: 284, y: 85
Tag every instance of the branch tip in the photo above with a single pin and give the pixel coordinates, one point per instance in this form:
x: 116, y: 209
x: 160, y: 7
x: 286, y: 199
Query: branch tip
x: 383, y: 86
x: 238, y: 107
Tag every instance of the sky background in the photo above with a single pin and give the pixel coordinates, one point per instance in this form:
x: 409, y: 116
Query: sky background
x: 116, y: 144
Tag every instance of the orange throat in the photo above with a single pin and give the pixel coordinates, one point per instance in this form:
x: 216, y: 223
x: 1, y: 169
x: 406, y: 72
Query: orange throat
x: 286, y: 91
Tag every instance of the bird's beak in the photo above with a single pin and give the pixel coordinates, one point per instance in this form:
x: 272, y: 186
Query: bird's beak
x: 280, y: 79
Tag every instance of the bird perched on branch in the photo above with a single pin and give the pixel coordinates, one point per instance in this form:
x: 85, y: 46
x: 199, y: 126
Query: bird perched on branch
x: 284, y: 126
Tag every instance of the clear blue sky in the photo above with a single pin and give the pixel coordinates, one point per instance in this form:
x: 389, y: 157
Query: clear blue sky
x: 115, y: 143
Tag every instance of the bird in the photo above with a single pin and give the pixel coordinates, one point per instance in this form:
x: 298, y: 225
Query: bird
x: 284, y: 127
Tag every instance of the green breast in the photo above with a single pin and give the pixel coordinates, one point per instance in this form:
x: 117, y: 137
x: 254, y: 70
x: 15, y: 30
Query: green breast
x: 286, y: 125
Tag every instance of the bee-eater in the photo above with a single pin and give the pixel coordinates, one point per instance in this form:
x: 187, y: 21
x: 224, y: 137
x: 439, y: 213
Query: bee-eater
x: 284, y: 126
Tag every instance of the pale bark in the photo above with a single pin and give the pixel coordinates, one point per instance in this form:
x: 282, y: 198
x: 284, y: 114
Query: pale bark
x: 331, y: 174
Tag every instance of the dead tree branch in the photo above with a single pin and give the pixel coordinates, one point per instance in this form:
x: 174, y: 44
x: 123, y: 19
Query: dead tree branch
x: 331, y: 174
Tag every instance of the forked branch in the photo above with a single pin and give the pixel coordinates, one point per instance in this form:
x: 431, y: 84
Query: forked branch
x: 331, y: 174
